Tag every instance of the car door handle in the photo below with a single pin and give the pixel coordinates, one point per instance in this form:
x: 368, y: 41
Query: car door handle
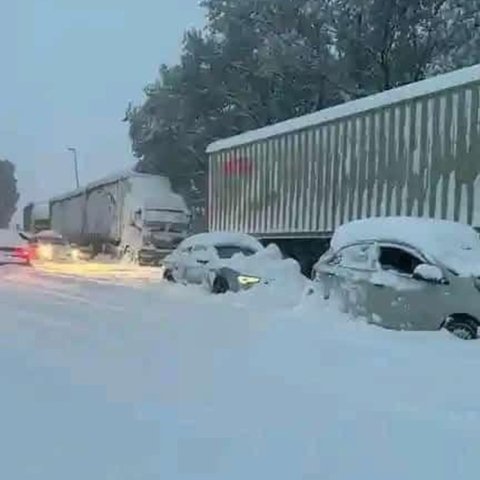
x: 379, y: 285
x: 203, y: 262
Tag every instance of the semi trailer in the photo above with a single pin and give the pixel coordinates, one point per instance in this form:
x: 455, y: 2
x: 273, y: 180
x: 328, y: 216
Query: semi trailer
x: 413, y: 150
x: 131, y: 214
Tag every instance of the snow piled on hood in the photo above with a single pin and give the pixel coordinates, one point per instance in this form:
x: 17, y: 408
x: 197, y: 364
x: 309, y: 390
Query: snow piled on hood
x: 285, y: 283
x: 455, y: 245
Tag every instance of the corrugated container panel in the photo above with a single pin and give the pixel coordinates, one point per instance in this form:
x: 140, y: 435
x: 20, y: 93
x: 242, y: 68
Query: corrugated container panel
x: 277, y: 169
x: 298, y: 162
x: 419, y: 156
x: 474, y: 153
x: 259, y: 187
x: 310, y: 197
x: 266, y: 187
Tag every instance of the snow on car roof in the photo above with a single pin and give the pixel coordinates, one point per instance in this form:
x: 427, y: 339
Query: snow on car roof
x: 48, y: 234
x: 418, y: 232
x: 223, y: 238
x: 10, y: 238
x: 454, y: 244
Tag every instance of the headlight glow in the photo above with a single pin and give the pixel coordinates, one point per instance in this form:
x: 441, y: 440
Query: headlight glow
x: 45, y: 252
x: 247, y: 280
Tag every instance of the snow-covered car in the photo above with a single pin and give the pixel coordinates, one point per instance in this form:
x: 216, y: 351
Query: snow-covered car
x: 405, y: 273
x: 224, y: 262
x: 49, y: 245
x: 14, y: 248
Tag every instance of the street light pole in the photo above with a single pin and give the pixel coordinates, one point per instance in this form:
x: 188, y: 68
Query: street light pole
x: 75, y: 162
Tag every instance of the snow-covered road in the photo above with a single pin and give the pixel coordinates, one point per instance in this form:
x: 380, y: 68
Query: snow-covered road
x: 117, y: 375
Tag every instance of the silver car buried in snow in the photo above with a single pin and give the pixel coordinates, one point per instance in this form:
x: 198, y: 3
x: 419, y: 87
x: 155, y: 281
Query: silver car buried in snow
x: 405, y: 273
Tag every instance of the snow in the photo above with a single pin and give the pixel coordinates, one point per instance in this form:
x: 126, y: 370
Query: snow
x: 152, y: 188
x: 10, y: 239
x: 48, y: 234
x: 429, y: 272
x: 140, y: 379
x: 455, y: 245
x: 213, y: 239
x: 401, y: 94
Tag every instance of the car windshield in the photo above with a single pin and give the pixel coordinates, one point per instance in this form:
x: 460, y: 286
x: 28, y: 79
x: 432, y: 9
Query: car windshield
x: 153, y: 216
x: 228, y: 251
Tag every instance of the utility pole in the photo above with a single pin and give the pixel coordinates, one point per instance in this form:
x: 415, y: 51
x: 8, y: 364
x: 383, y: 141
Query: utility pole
x: 75, y: 162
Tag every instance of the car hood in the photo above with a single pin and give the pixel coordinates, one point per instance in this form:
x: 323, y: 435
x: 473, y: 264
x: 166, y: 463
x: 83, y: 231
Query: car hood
x: 267, y: 264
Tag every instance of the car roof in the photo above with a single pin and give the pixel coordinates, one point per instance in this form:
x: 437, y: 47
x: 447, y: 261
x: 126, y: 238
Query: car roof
x: 48, y: 234
x: 421, y: 233
x: 216, y: 239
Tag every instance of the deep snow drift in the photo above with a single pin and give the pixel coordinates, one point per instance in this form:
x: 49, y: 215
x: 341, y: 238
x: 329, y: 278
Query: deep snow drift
x: 149, y: 380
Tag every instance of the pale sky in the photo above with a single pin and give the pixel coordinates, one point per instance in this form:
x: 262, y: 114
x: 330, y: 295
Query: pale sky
x: 68, y: 69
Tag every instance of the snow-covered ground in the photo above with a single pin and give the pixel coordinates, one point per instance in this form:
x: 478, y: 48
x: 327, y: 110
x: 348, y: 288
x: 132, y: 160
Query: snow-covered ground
x: 115, y: 375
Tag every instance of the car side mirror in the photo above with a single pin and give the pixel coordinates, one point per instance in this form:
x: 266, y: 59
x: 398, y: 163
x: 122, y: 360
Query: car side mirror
x: 429, y: 273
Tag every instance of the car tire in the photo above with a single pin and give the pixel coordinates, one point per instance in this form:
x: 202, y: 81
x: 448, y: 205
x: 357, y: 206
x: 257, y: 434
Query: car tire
x: 462, y: 326
x: 168, y: 276
x: 220, y: 286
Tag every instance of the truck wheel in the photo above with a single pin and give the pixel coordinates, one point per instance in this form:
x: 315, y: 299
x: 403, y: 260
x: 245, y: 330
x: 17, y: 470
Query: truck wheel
x: 220, y: 285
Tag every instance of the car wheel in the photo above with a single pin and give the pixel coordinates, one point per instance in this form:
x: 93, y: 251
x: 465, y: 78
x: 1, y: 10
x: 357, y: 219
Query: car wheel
x: 462, y: 326
x: 168, y: 276
x: 220, y: 285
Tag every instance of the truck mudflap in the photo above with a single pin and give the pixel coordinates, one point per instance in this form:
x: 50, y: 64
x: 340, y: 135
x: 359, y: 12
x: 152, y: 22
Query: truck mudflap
x: 148, y: 256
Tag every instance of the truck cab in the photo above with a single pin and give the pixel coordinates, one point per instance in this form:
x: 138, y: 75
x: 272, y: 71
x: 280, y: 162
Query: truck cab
x: 154, y: 231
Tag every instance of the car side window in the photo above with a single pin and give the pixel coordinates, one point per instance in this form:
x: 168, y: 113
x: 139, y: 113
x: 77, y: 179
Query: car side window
x: 398, y: 260
x: 357, y: 257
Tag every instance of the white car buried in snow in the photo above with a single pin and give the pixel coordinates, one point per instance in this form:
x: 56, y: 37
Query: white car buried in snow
x: 406, y: 273
x: 226, y: 261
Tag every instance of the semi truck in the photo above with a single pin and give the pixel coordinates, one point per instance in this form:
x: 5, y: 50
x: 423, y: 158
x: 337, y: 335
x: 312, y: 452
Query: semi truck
x: 36, y: 217
x: 413, y: 151
x: 130, y: 214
